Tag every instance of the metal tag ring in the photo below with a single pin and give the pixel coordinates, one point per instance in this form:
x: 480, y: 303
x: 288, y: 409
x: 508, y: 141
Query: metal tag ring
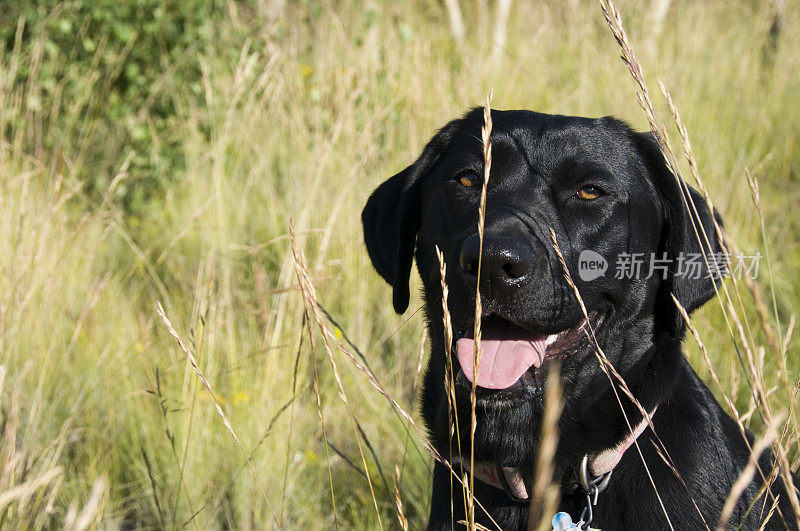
x: 600, y: 482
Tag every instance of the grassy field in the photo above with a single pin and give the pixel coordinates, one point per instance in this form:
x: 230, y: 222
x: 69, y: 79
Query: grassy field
x: 104, y: 422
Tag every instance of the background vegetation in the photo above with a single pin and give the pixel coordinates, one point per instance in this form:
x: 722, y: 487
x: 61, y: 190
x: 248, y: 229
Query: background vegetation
x: 156, y: 151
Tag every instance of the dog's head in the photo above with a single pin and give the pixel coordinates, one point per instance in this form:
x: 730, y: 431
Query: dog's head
x: 621, y: 223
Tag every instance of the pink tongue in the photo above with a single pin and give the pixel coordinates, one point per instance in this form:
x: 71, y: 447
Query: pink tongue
x: 507, y: 353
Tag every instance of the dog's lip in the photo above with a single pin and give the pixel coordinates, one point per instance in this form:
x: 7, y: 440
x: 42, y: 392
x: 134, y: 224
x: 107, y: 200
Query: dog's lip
x: 555, y: 343
x: 552, y: 341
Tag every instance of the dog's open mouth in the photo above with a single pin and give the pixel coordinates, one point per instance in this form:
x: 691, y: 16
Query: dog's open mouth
x: 511, y: 353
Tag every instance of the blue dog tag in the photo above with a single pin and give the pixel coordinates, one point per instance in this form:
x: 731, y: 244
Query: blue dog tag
x: 563, y: 522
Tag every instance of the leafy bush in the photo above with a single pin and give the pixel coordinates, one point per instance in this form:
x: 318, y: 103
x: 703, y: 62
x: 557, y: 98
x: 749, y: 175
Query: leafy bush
x: 118, y: 68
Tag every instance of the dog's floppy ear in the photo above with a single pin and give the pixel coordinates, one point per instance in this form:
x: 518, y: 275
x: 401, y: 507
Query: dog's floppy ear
x: 687, y: 216
x: 392, y: 218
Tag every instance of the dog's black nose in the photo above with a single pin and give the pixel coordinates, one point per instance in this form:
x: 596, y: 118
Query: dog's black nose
x: 505, y: 260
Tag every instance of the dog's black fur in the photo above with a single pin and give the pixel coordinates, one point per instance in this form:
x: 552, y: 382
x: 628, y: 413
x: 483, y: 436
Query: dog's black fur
x: 540, y: 162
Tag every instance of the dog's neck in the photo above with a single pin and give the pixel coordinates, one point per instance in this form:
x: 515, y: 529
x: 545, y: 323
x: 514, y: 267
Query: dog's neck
x: 605, y: 461
x: 511, y: 480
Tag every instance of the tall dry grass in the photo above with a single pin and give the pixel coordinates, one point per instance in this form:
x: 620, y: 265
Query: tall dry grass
x: 104, y: 421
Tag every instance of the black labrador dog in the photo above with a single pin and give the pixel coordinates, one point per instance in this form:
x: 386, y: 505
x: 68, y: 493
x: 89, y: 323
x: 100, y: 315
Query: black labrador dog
x: 610, y: 200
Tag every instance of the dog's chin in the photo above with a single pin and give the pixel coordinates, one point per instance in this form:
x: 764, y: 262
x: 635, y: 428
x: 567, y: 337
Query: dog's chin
x: 514, y: 408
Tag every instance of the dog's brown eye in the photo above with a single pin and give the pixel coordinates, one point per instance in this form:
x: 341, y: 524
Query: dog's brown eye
x: 469, y: 179
x: 589, y: 192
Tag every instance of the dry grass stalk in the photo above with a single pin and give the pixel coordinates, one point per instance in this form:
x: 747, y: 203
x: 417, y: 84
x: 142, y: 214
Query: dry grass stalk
x: 207, y: 384
x: 153, y: 487
x: 88, y: 517
x: 309, y: 296
x: 661, y: 451
x: 760, y: 394
x: 449, y: 377
x: 320, y: 416
x: 762, y: 492
x: 758, y: 301
x: 786, y: 472
x: 689, y: 155
x: 722, y: 237
x: 414, y: 390
x: 748, y: 472
x: 397, y: 407
x: 788, y: 337
x: 402, y: 412
x: 401, y: 517
x: 604, y: 362
x: 704, y: 351
x: 486, y: 133
x: 474, y: 525
x: 697, y: 228
x: 162, y: 401
x: 614, y: 21
x: 456, y: 21
x: 25, y: 480
x: 545, y: 493
x: 769, y: 514
x: 375, y: 384
x: 792, y: 403
x: 23, y: 491
x: 500, y: 30
x: 761, y: 397
x: 613, y: 17
x: 420, y: 359
x: 756, y: 195
x: 609, y: 370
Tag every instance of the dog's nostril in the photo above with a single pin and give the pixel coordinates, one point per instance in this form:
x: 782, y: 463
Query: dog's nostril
x: 515, y: 269
x: 504, y: 260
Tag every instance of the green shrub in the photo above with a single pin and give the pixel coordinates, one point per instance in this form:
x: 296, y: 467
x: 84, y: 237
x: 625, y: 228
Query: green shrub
x: 119, y: 70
